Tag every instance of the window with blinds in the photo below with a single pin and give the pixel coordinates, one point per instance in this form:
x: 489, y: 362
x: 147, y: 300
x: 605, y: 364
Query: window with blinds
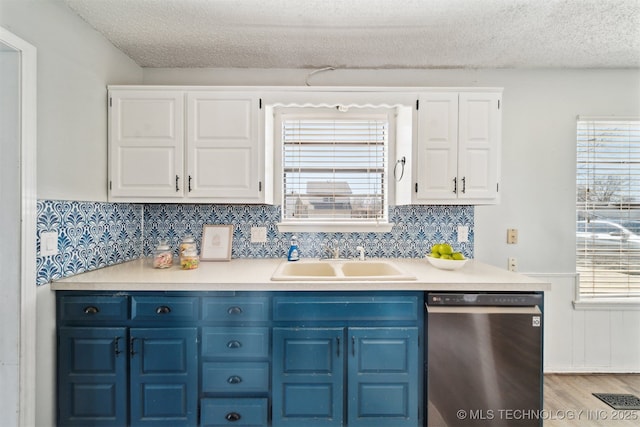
x: 608, y: 207
x: 334, y: 169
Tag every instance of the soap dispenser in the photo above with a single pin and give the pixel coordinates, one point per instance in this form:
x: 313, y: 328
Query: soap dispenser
x: 294, y: 252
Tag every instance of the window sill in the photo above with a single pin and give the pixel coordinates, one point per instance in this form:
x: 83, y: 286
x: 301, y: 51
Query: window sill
x: 608, y: 304
x: 335, y: 227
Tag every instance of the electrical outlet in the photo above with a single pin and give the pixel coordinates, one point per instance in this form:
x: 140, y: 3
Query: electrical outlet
x: 512, y: 236
x: 463, y: 234
x: 258, y: 234
x: 513, y: 264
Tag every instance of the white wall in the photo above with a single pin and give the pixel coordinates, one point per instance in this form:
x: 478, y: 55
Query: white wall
x: 538, y: 184
x: 75, y: 64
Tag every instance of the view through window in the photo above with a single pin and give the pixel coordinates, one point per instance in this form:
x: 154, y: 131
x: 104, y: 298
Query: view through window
x: 608, y: 207
x: 334, y: 168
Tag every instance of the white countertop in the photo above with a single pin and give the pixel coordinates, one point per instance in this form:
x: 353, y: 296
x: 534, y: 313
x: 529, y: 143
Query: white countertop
x: 255, y: 275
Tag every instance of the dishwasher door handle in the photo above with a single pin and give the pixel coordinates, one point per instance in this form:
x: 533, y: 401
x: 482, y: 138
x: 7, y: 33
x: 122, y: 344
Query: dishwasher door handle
x: 470, y: 309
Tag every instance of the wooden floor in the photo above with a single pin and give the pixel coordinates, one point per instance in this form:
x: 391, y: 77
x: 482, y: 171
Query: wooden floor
x: 568, y: 401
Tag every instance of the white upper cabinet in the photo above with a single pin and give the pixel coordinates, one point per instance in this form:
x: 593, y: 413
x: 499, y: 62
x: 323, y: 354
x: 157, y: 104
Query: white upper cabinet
x: 146, y: 144
x: 199, y: 146
x: 458, y: 148
x: 224, y: 155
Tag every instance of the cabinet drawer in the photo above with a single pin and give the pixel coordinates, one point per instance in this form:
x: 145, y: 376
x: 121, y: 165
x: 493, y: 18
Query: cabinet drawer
x: 93, y: 308
x: 345, y: 307
x: 164, y: 308
x: 235, y: 342
x: 235, y: 309
x: 235, y: 377
x: 233, y: 412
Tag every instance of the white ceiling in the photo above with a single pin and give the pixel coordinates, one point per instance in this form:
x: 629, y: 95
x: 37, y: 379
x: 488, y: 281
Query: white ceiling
x: 370, y: 33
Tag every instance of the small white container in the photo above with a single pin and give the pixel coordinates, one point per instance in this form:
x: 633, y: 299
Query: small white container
x: 446, y: 264
x: 162, y: 255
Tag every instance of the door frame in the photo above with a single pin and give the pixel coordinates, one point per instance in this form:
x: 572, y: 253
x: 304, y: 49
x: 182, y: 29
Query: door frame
x: 28, y: 194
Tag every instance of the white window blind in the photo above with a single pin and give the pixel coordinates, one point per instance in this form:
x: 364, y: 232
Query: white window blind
x: 335, y: 170
x: 608, y: 208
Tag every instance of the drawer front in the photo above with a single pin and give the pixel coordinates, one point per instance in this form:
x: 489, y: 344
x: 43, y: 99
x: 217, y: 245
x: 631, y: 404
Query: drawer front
x: 235, y: 342
x: 93, y: 308
x: 164, y: 308
x: 236, y: 309
x: 345, y: 307
x: 235, y: 377
x: 233, y: 412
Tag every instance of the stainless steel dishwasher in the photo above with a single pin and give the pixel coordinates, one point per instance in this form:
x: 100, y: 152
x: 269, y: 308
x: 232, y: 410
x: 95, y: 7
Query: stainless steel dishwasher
x: 483, y: 359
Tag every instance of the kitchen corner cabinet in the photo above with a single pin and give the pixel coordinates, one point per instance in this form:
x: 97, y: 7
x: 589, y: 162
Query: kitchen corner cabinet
x: 186, y: 146
x: 458, y: 148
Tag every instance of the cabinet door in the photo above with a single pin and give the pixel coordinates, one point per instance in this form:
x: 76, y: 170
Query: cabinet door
x: 163, y: 376
x: 383, y: 376
x: 146, y: 144
x: 479, y: 145
x: 308, y: 375
x: 92, y: 377
x: 437, y: 147
x: 224, y: 149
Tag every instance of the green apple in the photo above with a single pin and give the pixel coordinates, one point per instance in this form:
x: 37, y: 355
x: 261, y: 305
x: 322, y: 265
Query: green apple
x: 457, y: 256
x: 445, y: 249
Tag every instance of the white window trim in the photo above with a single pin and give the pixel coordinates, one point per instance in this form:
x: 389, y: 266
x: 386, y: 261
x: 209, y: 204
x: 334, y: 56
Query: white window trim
x: 332, y: 226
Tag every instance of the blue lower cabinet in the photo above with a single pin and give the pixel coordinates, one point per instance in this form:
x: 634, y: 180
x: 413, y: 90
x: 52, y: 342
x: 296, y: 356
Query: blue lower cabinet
x: 380, y: 386
x: 92, y: 377
x: 244, y: 412
x: 383, y: 377
x: 308, y: 377
x: 164, y: 376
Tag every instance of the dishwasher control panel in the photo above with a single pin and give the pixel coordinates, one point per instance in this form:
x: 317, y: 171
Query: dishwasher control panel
x: 484, y: 299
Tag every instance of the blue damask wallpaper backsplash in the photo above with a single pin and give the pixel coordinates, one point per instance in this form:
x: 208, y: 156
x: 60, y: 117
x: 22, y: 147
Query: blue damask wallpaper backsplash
x: 94, y: 234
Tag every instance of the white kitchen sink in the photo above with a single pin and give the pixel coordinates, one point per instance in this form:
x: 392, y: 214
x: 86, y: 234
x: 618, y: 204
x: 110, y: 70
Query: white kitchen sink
x: 329, y: 270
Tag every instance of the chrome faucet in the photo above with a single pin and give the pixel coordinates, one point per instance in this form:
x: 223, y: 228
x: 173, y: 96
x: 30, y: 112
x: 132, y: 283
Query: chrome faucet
x: 334, y: 251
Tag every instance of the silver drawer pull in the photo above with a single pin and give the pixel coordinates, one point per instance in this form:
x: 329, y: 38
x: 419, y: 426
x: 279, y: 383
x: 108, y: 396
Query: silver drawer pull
x: 234, y: 310
x: 233, y: 416
x: 234, y: 344
x: 163, y: 309
x: 234, y: 379
x: 91, y: 310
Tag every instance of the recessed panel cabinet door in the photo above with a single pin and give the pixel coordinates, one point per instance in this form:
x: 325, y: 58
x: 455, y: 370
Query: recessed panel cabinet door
x: 92, y: 377
x: 437, y: 146
x: 383, y: 376
x: 164, y: 376
x: 224, y: 146
x: 308, y: 374
x: 146, y: 144
x: 478, y: 158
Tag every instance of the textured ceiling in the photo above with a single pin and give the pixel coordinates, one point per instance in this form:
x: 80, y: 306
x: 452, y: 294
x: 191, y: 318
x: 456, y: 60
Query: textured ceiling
x: 370, y: 33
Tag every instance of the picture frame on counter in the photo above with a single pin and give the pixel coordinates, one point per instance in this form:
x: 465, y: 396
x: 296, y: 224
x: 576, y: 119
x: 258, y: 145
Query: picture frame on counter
x: 216, y: 242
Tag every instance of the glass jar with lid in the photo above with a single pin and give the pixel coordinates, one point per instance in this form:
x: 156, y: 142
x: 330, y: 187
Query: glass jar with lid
x: 187, y: 243
x: 189, y: 259
x: 162, y: 255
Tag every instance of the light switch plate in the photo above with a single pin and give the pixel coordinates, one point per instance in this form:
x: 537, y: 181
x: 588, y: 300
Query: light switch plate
x: 48, y: 243
x: 258, y: 234
x: 463, y: 234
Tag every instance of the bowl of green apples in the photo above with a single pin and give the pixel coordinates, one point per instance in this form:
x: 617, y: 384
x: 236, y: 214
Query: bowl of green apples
x: 443, y: 256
